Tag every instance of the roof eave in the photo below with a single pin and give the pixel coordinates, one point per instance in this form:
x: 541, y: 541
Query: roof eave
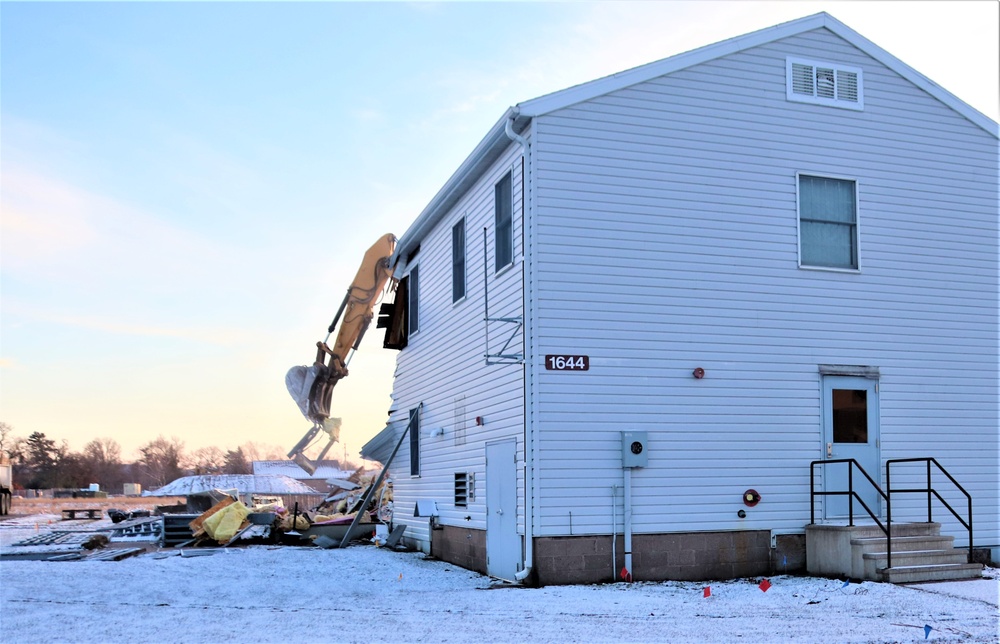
x: 484, y: 154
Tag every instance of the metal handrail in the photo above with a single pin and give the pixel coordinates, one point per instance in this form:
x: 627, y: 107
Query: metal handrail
x: 931, y: 491
x: 885, y: 528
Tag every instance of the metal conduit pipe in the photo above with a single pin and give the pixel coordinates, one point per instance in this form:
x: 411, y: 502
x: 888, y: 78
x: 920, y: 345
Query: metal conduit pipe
x: 528, y: 429
x: 614, y: 530
x: 628, y: 522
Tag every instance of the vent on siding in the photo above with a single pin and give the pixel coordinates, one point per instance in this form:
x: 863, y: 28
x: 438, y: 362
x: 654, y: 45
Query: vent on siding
x: 465, y: 489
x: 824, y: 84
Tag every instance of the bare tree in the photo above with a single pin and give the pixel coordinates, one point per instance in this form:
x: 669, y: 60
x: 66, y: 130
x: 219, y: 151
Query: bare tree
x: 261, y: 452
x: 207, y: 460
x: 6, y: 438
x: 160, y: 461
x: 102, y: 458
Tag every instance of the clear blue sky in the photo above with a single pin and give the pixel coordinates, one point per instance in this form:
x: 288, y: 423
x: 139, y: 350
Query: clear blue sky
x: 188, y: 188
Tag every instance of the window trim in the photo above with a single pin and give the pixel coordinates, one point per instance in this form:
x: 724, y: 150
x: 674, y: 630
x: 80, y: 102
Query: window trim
x: 857, y: 220
x: 820, y: 100
x: 497, y: 267
x: 464, y: 262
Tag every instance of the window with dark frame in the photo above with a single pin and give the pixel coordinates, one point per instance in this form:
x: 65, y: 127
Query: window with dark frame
x: 828, y: 222
x: 504, y: 238
x: 458, y: 261
x: 414, y: 289
x: 414, y: 430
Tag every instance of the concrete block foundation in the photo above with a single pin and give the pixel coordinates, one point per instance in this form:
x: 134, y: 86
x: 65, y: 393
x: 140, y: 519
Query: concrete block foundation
x: 695, y: 556
x: 461, y: 546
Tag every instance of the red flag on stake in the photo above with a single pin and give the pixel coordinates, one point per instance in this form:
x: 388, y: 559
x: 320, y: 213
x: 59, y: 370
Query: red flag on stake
x: 626, y: 575
x: 708, y: 591
x: 764, y: 585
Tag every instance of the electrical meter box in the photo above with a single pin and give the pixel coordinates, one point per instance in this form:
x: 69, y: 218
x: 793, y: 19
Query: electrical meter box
x: 635, y: 451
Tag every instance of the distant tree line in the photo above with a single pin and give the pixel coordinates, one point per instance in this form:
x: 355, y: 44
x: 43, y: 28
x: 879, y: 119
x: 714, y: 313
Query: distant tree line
x: 40, y: 463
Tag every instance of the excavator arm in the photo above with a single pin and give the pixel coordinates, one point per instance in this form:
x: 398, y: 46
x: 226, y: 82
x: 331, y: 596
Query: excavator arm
x: 312, y: 387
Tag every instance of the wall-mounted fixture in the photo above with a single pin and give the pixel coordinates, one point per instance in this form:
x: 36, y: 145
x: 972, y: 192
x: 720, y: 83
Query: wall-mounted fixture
x: 479, y: 421
x: 437, y: 431
x: 698, y: 373
x: 742, y: 514
x: 751, y: 498
x: 634, y: 452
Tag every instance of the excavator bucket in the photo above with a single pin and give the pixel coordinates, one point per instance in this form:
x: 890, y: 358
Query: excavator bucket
x: 312, y: 386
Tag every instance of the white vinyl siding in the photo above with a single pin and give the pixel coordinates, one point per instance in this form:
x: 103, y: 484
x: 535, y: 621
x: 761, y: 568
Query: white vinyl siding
x: 828, y: 222
x: 667, y: 240
x: 443, y: 366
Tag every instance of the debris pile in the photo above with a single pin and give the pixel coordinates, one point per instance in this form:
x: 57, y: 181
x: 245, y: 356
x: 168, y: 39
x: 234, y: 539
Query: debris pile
x: 357, y: 508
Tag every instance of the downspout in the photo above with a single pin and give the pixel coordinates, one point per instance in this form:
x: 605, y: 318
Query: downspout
x: 529, y: 452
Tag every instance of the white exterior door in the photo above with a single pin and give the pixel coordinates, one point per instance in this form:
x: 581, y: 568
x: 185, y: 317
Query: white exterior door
x: 503, y: 545
x: 851, y: 430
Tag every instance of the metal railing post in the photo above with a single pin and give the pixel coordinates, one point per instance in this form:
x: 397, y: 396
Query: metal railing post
x: 812, y: 494
x: 850, y: 495
x: 929, y: 491
x: 888, y: 518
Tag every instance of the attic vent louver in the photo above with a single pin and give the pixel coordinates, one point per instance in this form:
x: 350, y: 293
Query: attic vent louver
x: 810, y: 81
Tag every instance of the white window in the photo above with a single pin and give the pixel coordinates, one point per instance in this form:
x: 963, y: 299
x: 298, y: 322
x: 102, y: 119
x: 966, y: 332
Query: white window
x: 811, y: 81
x: 828, y: 222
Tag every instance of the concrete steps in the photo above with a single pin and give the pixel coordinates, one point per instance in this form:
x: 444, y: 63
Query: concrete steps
x: 943, y: 572
x: 919, y: 553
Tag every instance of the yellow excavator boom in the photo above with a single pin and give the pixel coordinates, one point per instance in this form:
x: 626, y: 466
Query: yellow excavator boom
x: 312, y: 387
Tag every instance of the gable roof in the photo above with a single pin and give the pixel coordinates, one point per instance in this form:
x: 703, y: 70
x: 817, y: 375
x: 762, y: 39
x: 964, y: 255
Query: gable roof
x: 593, y: 89
x: 496, y: 140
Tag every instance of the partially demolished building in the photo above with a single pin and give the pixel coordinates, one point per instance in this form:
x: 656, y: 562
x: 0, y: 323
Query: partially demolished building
x: 644, y: 306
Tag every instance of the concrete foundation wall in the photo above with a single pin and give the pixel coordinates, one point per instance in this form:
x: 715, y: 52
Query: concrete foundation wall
x: 693, y: 556
x: 463, y: 547
x: 696, y: 556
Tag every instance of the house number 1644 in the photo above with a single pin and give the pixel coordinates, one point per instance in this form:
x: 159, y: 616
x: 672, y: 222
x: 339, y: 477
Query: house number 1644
x: 567, y: 363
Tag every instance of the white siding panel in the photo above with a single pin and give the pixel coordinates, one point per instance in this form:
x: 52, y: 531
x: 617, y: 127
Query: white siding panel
x: 667, y: 240
x: 445, y: 359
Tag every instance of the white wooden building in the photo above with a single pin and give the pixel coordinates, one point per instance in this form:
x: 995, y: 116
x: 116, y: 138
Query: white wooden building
x: 773, y: 250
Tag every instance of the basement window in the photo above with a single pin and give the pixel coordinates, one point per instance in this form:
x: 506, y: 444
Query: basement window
x: 820, y: 83
x: 465, y: 489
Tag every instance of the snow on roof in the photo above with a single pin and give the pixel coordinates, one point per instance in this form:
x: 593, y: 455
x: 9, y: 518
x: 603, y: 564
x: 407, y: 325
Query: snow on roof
x: 324, y: 470
x: 243, y: 483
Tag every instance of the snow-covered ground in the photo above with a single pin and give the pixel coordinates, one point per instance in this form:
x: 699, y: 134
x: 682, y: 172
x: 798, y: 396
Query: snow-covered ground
x: 367, y: 594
